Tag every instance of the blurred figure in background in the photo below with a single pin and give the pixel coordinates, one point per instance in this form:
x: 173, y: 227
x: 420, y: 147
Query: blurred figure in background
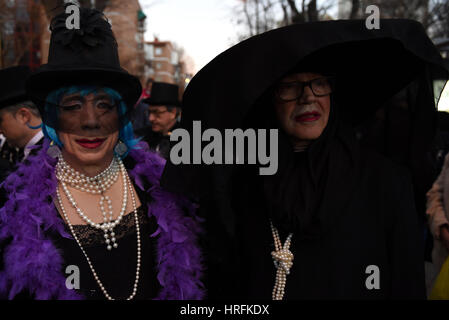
x: 146, y: 92
x: 443, y: 143
x: 437, y: 204
x: 5, y: 155
x: 8, y: 154
x: 20, y: 121
x: 164, y: 115
x: 140, y: 116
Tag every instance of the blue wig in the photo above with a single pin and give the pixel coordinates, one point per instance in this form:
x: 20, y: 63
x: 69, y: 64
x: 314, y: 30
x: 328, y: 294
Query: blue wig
x: 126, y: 133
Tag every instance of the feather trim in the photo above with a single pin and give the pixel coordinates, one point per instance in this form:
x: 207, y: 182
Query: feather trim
x: 33, y: 263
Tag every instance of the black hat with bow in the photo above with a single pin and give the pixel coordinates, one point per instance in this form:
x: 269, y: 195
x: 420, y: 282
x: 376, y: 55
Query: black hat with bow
x: 12, y: 89
x: 84, y: 56
x: 164, y: 94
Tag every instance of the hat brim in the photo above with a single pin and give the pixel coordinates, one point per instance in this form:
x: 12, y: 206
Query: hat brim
x: 371, y: 67
x: 153, y: 102
x: 46, y: 80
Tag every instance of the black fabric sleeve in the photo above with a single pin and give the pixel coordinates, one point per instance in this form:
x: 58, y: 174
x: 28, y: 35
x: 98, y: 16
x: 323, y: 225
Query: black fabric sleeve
x: 406, y: 239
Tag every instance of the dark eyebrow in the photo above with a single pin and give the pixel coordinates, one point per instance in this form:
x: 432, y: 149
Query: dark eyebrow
x: 78, y: 97
x: 102, y: 96
x: 74, y: 97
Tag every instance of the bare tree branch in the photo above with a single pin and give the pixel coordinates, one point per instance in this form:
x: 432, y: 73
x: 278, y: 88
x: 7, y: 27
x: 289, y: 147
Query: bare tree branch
x: 312, y: 11
x: 354, y: 9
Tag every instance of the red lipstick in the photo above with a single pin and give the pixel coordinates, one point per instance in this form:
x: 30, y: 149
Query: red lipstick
x: 308, y: 117
x: 90, y: 144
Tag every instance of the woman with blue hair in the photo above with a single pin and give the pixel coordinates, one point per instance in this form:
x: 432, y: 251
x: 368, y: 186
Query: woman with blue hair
x: 86, y: 218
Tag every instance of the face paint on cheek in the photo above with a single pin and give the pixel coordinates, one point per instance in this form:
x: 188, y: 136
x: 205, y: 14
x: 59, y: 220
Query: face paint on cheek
x: 109, y: 122
x: 82, y: 124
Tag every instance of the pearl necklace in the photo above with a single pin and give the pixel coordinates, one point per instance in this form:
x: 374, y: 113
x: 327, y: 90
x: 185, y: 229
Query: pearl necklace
x: 127, y: 184
x: 95, y: 185
x: 283, y: 261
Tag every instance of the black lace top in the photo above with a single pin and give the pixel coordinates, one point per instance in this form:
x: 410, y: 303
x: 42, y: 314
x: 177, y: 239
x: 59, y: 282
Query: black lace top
x: 116, y: 268
x: 90, y: 236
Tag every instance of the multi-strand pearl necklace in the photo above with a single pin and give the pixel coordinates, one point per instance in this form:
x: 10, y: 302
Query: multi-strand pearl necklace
x: 95, y: 185
x: 126, y: 185
x: 283, y: 261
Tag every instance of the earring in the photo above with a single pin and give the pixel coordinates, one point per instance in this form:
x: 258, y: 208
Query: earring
x: 120, y: 148
x: 53, y: 150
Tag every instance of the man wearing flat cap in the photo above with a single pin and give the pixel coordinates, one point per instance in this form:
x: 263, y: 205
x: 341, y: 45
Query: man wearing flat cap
x: 164, y: 114
x: 20, y: 121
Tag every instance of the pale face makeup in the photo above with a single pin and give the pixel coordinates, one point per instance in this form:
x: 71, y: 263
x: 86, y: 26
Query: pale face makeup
x: 305, y: 118
x: 89, y: 130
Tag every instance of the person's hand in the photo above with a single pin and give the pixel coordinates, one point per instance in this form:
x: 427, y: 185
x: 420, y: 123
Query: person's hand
x: 444, y: 236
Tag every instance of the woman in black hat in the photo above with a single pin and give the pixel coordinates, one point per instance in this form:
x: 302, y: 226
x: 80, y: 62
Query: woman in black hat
x: 336, y: 221
x: 86, y: 218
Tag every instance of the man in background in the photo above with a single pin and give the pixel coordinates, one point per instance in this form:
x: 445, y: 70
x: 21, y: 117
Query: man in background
x: 164, y: 108
x: 140, y: 115
x: 20, y: 121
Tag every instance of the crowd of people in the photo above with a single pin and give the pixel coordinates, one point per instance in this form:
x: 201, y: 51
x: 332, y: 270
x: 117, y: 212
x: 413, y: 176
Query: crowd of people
x: 87, y: 181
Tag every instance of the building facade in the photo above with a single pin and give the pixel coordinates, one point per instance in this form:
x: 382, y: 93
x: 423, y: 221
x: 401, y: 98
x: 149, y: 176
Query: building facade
x: 25, y: 38
x: 128, y: 24
x: 20, y: 33
x: 163, y: 63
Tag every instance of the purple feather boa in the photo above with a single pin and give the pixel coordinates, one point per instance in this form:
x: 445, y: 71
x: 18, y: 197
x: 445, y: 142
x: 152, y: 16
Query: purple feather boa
x: 33, y: 263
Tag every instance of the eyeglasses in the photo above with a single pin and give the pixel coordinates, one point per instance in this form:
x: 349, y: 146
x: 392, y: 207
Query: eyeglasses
x: 290, y: 91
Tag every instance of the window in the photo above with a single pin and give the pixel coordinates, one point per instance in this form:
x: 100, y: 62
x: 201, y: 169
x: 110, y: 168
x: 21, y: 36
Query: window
x: 158, y: 51
x: 149, y: 50
x: 158, y: 65
x: 9, y: 27
x: 174, y: 58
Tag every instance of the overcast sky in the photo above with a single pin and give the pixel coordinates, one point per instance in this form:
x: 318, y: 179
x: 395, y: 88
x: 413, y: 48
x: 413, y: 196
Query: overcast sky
x: 203, y: 27
x: 444, y: 99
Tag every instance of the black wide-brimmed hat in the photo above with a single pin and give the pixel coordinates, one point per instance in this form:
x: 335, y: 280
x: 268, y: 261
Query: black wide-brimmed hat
x: 163, y: 94
x: 84, y: 56
x: 13, y: 81
x: 371, y: 66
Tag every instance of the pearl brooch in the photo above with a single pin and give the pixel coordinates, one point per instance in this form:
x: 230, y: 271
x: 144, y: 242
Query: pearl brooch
x: 283, y: 261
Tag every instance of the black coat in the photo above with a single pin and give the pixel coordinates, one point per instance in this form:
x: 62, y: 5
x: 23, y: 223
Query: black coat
x: 361, y: 204
x: 156, y: 141
x: 379, y: 228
